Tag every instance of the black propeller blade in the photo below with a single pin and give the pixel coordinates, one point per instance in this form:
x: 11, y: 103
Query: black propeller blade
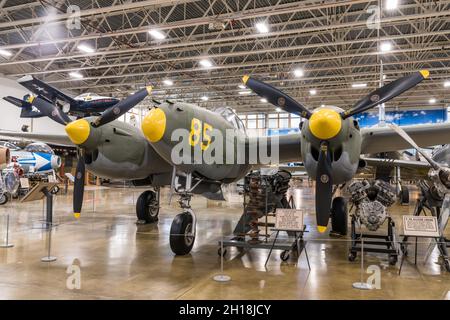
x: 122, y: 107
x: 387, y: 92
x: 276, y: 97
x: 324, y: 187
x: 78, y: 189
x: 50, y: 110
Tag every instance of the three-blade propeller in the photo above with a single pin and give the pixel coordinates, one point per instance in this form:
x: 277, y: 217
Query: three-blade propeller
x: 56, y: 114
x: 326, y: 124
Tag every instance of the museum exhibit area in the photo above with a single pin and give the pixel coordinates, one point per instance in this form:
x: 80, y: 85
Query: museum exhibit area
x: 271, y: 151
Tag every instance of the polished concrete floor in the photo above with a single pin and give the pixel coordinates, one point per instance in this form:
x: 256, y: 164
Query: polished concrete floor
x: 121, y: 260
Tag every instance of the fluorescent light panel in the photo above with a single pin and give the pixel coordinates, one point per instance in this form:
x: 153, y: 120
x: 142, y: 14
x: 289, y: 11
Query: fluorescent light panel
x: 262, y: 27
x: 359, y: 85
x: 85, y: 48
x: 298, y: 73
x: 156, y: 34
x: 76, y: 75
x: 391, y: 4
x: 206, y: 63
x: 5, y: 53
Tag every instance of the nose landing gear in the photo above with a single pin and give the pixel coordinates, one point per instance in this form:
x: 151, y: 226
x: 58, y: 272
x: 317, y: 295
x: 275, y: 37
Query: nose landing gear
x: 183, y: 228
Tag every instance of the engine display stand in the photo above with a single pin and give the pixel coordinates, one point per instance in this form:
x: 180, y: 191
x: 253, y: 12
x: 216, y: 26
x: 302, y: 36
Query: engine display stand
x: 38, y: 192
x: 295, y: 244
x: 379, y: 243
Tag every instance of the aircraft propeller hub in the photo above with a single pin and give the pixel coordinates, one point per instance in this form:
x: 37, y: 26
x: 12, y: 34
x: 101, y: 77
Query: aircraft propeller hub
x: 154, y: 125
x: 325, y: 124
x: 78, y: 131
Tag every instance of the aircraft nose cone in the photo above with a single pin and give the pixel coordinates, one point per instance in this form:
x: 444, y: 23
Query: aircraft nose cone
x: 154, y: 125
x: 325, y: 124
x: 56, y: 162
x: 78, y: 131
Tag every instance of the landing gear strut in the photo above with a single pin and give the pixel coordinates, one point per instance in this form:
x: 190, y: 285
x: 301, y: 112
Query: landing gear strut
x: 147, y: 206
x: 182, y: 231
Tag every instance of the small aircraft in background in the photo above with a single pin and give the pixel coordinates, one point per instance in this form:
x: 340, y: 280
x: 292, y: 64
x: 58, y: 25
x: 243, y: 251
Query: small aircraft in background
x: 34, y: 158
x: 82, y: 105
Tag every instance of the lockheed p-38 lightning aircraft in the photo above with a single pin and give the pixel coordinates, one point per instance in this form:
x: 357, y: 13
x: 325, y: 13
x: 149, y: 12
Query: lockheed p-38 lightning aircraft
x: 330, y: 144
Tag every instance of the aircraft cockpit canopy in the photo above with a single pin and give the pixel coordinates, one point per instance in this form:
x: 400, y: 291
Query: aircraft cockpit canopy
x: 229, y: 115
x: 9, y: 145
x: 39, y: 147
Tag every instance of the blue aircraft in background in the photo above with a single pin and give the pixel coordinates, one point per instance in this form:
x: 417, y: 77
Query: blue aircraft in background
x: 34, y: 158
x: 83, y: 105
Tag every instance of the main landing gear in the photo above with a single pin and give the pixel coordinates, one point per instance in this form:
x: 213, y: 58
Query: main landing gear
x: 182, y: 231
x: 147, y: 206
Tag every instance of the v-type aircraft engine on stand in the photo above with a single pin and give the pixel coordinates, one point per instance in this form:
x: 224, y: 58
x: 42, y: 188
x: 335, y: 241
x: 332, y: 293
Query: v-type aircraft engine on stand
x: 263, y: 194
x: 371, y: 201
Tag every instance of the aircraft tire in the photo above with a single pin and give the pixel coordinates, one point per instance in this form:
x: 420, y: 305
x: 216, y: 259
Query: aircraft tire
x: 3, y: 199
x: 404, y: 195
x: 147, y: 207
x: 339, y: 216
x: 181, y: 242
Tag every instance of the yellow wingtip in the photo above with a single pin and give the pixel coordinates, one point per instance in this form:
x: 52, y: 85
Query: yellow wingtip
x: 245, y: 79
x: 425, y: 73
x: 76, y: 215
x: 321, y: 229
x: 149, y: 89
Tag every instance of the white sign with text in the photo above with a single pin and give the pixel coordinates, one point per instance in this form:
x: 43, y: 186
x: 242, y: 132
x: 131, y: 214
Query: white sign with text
x: 289, y: 219
x: 420, y: 226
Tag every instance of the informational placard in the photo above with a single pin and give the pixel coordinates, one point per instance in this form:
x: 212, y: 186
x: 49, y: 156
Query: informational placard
x: 420, y: 226
x: 24, y: 183
x: 289, y: 219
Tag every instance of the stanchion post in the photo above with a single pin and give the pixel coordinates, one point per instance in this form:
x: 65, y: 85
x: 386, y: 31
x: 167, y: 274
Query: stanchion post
x: 221, y: 277
x: 49, y: 258
x: 7, y: 244
x: 362, y: 285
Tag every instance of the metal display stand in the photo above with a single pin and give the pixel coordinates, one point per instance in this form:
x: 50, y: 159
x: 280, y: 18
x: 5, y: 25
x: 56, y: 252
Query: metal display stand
x: 298, y: 244
x: 38, y: 192
x: 379, y: 243
x: 49, y: 257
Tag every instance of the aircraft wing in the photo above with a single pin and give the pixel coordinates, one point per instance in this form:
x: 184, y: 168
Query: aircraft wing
x: 43, y: 89
x: 411, y: 164
x: 56, y: 139
x: 384, y: 139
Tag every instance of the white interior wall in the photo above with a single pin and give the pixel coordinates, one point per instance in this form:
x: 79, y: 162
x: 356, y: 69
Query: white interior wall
x: 10, y: 115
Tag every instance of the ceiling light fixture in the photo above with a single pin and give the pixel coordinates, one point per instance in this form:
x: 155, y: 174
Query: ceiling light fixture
x: 85, y: 48
x: 263, y: 100
x: 168, y: 82
x: 432, y: 101
x: 5, y: 53
x: 359, y: 85
x: 386, y: 47
x: 76, y: 75
x: 206, y: 63
x: 313, y: 92
x: 205, y: 98
x: 278, y: 109
x: 245, y: 92
x: 262, y: 27
x: 391, y: 4
x: 298, y: 73
x: 156, y: 34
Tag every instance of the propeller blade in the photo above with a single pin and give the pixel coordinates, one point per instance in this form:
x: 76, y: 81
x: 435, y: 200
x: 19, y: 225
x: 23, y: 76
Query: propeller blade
x: 50, y: 110
x: 387, y: 92
x: 276, y: 97
x: 402, y: 133
x: 324, y: 188
x: 78, y: 189
x: 122, y: 107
